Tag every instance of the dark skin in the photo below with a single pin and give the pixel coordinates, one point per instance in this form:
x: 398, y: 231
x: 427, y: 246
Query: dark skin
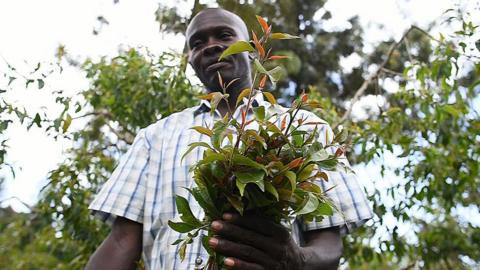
x: 247, y: 242
x: 121, y: 250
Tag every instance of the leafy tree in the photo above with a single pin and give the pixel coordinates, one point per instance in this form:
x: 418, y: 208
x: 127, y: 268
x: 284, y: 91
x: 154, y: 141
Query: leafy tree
x: 127, y: 93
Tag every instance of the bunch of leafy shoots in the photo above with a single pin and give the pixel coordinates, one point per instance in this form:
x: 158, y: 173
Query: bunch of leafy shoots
x: 265, y: 163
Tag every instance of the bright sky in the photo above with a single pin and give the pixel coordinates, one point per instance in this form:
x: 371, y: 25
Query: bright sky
x: 31, y: 30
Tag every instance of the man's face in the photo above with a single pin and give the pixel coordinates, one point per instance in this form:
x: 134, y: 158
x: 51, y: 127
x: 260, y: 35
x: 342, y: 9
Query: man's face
x: 208, y: 35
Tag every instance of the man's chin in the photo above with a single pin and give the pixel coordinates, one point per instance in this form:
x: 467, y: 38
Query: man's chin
x: 226, y: 78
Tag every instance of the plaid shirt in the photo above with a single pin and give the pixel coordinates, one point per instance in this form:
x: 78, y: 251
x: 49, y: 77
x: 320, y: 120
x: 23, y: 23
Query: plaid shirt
x: 143, y: 187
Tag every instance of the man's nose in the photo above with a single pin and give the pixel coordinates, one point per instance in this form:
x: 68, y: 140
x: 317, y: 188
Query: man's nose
x: 213, y: 47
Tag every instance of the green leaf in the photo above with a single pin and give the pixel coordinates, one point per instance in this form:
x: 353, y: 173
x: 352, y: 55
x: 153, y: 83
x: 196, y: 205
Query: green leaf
x: 270, y: 98
x: 182, y: 250
x: 297, y: 140
x: 253, y: 176
x: 275, y: 74
x: 216, y: 98
x: 183, y: 207
x: 205, y: 244
x: 309, y: 205
x: 259, y: 67
x: 259, y: 112
x: 293, y: 179
x: 237, y: 47
x: 271, y: 189
x: 218, y: 134
x: 37, y: 120
x: 341, y: 136
x: 178, y: 241
x: 451, y: 110
x: 236, y: 202
x: 202, y: 196
x: 243, y: 94
x: 317, y: 152
x: 66, y: 123
x: 41, y: 83
x: 306, y: 172
x: 193, y: 146
x: 245, y: 161
x: 181, y: 227
x: 210, y: 156
x: 203, y: 130
x: 323, y: 209
x: 328, y: 164
x: 283, y: 36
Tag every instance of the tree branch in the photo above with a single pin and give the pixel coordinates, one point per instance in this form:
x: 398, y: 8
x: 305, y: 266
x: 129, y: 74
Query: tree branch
x: 360, y: 91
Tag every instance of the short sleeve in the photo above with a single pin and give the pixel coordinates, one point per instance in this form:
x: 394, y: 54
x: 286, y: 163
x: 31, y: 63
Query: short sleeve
x: 124, y: 192
x: 346, y: 193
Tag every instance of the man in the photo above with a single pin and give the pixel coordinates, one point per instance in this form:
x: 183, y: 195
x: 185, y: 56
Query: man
x: 139, y: 196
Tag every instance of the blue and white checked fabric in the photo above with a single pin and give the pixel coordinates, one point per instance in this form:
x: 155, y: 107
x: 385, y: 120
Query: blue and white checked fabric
x: 143, y: 186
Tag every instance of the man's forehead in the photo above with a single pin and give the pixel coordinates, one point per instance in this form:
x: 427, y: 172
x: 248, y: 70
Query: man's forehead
x: 216, y: 19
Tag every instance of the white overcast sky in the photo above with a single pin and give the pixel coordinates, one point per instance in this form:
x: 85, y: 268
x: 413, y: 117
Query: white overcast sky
x: 31, y: 30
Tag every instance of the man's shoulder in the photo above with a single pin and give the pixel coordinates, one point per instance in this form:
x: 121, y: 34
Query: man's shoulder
x: 174, y: 121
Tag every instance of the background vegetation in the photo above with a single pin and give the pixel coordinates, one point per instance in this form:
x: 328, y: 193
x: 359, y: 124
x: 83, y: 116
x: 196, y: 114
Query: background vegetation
x: 426, y: 134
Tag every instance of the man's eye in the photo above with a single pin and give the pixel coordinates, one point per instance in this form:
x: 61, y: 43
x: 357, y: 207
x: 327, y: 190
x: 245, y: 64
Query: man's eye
x: 225, y: 35
x: 196, y: 43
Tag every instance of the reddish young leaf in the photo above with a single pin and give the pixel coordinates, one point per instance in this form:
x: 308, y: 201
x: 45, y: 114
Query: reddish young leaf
x: 340, y: 151
x: 283, y: 125
x: 275, y: 57
x: 249, y: 122
x: 304, y: 97
x: 244, y: 115
x: 258, y: 45
x: 295, y: 163
x: 263, y: 23
x: 263, y: 81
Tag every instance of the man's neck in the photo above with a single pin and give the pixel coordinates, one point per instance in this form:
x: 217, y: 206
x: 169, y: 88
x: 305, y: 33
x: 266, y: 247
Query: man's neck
x: 234, y: 91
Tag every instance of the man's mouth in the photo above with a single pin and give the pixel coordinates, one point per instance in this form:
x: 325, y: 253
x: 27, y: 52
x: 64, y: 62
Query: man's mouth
x: 216, y: 66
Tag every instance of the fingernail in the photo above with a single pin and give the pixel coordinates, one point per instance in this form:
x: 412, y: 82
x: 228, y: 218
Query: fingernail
x: 213, y: 242
x: 217, y: 226
x: 227, y: 216
x: 229, y: 262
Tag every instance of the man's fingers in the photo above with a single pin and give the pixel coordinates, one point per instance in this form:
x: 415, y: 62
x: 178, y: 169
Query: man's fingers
x: 242, y: 252
x: 236, y: 264
x: 236, y: 233
x: 258, y: 224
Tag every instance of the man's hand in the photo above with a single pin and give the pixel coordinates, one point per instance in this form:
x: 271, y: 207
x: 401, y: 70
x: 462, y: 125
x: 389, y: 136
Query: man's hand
x: 253, y: 243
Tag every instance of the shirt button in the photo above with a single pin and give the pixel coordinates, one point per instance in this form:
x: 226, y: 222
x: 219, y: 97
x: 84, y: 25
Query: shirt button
x: 198, y: 261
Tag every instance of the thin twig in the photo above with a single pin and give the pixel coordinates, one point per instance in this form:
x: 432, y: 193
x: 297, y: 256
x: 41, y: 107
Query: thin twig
x: 360, y: 91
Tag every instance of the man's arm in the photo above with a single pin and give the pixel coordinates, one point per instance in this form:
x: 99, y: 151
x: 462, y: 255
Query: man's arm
x: 121, y: 249
x: 252, y: 243
x: 323, y: 249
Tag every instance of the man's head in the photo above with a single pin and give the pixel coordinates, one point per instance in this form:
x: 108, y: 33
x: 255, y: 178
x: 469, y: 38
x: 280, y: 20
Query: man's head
x: 209, y: 33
